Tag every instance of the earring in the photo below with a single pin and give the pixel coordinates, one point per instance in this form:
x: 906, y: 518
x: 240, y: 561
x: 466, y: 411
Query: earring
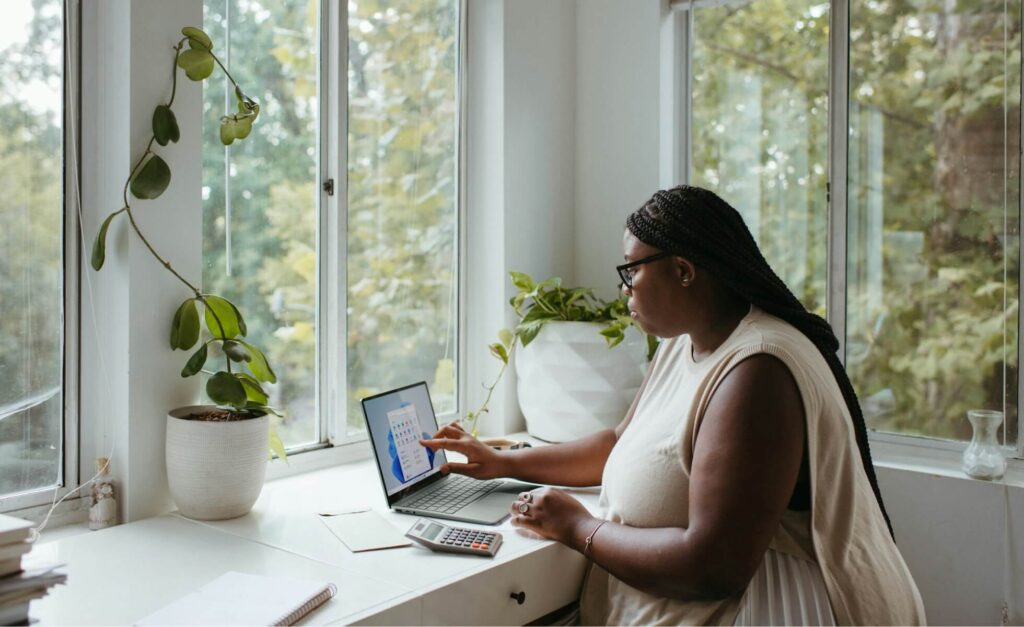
x: 686, y: 281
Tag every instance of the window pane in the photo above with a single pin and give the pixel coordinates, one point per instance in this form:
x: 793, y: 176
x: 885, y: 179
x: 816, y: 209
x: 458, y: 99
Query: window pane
x: 933, y: 213
x: 402, y: 190
x: 760, y: 128
x: 32, y: 240
x: 261, y: 195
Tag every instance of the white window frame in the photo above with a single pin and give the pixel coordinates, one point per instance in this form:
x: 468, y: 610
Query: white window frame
x: 336, y: 446
x: 34, y: 504
x: 887, y: 446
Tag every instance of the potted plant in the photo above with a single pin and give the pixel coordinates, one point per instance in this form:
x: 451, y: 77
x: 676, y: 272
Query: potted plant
x: 569, y: 383
x: 216, y: 454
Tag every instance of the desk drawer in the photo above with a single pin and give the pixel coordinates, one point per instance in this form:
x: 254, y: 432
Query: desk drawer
x: 544, y: 580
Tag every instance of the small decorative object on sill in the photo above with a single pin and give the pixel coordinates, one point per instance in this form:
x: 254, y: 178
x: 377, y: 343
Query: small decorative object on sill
x: 983, y: 458
x: 103, y: 512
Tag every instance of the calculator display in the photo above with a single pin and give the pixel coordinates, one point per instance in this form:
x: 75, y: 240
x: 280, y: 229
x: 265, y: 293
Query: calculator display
x: 432, y: 531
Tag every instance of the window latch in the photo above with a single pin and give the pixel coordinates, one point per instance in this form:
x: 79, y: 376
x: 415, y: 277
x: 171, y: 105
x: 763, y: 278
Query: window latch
x: 328, y: 187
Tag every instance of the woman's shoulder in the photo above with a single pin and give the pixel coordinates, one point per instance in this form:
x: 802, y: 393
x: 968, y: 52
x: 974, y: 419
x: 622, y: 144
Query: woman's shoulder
x: 763, y: 328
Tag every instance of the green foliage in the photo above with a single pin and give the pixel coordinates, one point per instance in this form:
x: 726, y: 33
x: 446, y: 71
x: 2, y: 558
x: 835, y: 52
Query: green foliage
x: 537, y: 304
x: 224, y: 325
x: 932, y: 286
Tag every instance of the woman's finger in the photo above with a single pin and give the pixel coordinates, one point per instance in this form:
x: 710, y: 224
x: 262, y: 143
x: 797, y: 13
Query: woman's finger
x: 470, y: 470
x: 448, y: 444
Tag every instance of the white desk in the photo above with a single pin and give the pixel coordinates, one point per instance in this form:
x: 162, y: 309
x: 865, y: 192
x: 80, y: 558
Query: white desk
x: 119, y: 575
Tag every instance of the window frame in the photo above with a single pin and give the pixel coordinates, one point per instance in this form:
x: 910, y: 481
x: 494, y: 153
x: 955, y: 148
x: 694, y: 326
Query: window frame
x: 336, y: 445
x: 929, y: 451
x: 34, y: 504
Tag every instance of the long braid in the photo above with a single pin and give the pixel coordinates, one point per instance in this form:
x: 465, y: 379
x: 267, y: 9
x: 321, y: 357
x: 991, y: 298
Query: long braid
x: 696, y: 223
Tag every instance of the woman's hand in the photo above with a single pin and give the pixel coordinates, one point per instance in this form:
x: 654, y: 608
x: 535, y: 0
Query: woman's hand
x: 553, y: 514
x: 482, y: 462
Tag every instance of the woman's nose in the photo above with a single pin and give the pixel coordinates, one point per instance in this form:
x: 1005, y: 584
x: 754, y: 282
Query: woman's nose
x: 627, y: 290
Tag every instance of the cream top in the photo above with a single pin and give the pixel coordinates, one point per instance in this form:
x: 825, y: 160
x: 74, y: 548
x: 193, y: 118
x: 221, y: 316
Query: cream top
x: 646, y: 484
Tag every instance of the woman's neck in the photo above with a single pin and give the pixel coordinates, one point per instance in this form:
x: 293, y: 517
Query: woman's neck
x: 718, y: 323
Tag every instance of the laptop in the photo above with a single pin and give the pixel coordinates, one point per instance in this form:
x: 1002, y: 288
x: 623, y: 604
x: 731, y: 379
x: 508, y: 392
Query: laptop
x: 411, y: 473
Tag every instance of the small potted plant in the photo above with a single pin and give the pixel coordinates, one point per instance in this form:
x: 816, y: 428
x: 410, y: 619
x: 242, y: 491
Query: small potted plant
x: 216, y: 454
x: 569, y: 383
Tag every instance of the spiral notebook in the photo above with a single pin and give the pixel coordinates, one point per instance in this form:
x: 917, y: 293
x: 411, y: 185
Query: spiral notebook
x: 243, y: 599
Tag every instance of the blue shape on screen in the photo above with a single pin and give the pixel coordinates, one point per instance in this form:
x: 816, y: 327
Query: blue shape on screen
x: 396, y: 466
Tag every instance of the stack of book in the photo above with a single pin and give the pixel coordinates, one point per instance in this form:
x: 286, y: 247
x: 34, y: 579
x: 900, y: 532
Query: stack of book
x: 19, y: 587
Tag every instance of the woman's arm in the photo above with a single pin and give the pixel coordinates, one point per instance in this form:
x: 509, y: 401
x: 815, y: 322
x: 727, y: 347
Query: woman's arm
x: 746, y: 461
x: 576, y: 463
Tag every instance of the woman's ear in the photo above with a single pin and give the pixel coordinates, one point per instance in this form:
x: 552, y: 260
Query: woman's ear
x: 686, y: 271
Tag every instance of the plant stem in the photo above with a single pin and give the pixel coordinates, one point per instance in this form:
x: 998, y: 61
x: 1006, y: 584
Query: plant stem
x: 174, y: 70
x: 163, y: 262
x: 490, y: 389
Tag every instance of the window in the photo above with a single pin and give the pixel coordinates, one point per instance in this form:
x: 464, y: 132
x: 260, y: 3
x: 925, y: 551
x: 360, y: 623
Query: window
x: 923, y: 172
x: 32, y: 236
x: 934, y: 209
x: 760, y: 129
x: 268, y: 245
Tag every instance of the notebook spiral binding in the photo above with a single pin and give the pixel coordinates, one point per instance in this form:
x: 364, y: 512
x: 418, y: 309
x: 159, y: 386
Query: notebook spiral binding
x: 310, y: 605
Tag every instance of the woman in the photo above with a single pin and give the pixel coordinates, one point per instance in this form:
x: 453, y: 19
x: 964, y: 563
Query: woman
x: 739, y: 488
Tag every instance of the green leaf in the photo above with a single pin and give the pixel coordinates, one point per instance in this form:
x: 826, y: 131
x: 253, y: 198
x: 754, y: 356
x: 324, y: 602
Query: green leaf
x: 185, y: 327
x: 499, y: 351
x: 236, y: 352
x: 152, y: 179
x: 197, y: 63
x: 253, y: 390
x: 99, y: 247
x: 258, y: 365
x: 506, y: 338
x: 222, y: 317
x: 243, y: 126
x: 197, y: 38
x: 527, y: 332
x: 227, y: 133
x: 234, y: 127
x: 522, y: 281
x: 165, y: 125
x: 224, y: 389
x: 277, y: 445
x: 195, y: 362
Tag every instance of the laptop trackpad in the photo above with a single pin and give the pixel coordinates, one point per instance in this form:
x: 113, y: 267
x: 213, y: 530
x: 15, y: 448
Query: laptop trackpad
x: 496, y: 504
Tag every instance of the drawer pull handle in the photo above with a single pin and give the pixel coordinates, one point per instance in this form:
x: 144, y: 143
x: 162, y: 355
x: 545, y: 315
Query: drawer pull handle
x: 520, y: 597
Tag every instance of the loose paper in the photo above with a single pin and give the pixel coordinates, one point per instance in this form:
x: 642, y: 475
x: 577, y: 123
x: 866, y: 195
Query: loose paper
x: 364, y: 531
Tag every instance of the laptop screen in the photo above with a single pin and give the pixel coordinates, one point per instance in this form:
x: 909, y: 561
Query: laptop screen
x: 397, y: 420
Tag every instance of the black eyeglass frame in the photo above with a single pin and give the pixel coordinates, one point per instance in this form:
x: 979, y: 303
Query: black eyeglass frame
x: 627, y: 277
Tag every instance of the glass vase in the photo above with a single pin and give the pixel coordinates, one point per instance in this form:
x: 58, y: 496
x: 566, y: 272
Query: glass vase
x: 983, y: 458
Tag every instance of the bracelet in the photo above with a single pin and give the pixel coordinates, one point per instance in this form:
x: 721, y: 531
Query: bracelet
x: 590, y: 540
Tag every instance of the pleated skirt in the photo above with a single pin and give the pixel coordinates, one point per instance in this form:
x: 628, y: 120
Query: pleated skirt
x: 786, y: 590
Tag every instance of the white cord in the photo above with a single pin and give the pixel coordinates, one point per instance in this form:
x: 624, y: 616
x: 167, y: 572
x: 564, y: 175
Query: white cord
x: 36, y: 532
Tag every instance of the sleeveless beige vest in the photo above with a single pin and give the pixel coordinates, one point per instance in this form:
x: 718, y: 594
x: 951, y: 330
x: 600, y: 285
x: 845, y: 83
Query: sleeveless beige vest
x: 646, y: 483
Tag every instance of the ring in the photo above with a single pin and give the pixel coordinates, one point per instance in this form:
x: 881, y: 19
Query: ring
x: 527, y: 497
x: 524, y: 507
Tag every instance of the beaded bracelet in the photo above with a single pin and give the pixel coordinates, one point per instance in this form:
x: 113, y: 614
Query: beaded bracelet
x: 590, y: 539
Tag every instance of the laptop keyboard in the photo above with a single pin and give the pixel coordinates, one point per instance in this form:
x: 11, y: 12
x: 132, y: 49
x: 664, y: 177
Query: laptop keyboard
x: 454, y: 493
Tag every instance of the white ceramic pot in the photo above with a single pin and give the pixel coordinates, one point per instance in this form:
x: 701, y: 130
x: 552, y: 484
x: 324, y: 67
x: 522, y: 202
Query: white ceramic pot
x: 215, y: 470
x: 570, y: 384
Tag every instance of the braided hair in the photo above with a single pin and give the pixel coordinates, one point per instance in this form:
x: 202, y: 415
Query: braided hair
x: 696, y: 223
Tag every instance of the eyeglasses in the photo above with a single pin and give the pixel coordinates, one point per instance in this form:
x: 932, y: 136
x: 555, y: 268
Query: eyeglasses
x: 626, y: 270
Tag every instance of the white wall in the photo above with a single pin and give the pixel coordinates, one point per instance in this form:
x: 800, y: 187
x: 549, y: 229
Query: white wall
x: 132, y: 377
x: 520, y: 170
x: 952, y: 532
x: 617, y: 128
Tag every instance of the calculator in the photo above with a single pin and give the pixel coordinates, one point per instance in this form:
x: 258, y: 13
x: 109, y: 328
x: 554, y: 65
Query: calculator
x: 439, y: 537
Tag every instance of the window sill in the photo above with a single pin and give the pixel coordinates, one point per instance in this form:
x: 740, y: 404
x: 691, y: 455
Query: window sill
x: 935, y: 457
x: 318, y: 459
